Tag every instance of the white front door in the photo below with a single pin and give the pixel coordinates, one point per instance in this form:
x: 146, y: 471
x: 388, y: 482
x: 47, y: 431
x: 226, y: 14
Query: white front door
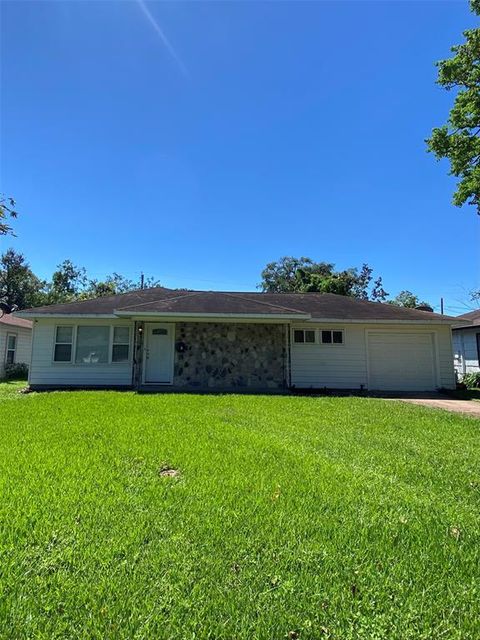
x: 158, y: 353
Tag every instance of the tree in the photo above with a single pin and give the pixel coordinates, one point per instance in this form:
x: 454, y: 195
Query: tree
x: 291, y: 274
x: 116, y: 283
x: 458, y: 140
x: 408, y: 299
x: 362, y: 282
x: 378, y: 292
x: 68, y: 282
x: 342, y: 283
x: 19, y: 286
x: 7, y: 210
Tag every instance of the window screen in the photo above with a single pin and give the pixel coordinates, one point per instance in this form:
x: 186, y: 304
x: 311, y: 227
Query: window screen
x: 11, y: 349
x: 332, y: 337
x: 92, y: 345
x: 301, y: 336
x: 63, y: 344
x: 121, y: 344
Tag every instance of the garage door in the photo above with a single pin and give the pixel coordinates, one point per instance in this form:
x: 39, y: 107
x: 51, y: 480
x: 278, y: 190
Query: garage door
x: 401, y: 361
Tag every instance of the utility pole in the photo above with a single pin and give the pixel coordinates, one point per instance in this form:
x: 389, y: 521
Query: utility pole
x: 142, y: 281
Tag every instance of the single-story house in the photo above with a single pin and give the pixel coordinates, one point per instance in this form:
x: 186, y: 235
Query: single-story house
x: 466, y: 344
x: 15, y: 341
x: 209, y: 340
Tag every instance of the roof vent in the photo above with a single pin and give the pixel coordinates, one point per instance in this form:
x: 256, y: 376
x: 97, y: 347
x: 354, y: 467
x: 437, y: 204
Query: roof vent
x: 424, y: 307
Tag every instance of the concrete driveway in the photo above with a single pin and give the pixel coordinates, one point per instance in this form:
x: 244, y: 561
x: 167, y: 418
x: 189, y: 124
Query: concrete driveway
x: 437, y: 401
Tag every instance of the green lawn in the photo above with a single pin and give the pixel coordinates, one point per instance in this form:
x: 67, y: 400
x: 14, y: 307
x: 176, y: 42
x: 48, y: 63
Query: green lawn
x: 292, y: 517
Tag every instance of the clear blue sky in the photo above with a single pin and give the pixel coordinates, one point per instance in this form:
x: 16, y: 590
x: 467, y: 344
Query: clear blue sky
x: 197, y: 141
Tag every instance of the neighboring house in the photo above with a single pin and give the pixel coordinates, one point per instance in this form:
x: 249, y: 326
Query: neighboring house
x: 466, y: 344
x: 155, y: 338
x: 15, y: 341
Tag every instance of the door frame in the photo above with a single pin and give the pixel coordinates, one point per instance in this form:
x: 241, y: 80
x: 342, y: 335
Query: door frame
x: 171, y: 327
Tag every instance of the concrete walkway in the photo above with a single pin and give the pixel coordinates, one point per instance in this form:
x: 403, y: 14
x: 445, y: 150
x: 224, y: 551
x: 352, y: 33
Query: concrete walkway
x: 468, y: 407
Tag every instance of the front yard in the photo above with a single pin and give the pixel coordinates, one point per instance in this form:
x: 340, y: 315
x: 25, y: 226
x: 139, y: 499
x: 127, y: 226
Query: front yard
x: 279, y: 517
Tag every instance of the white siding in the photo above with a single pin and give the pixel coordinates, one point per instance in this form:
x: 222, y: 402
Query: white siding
x: 24, y: 344
x: 465, y: 351
x: 44, y: 371
x: 347, y: 366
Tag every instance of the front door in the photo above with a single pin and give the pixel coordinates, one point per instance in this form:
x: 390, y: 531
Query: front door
x: 158, y: 353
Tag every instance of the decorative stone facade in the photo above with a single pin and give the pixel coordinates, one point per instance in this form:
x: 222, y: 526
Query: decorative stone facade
x: 226, y: 356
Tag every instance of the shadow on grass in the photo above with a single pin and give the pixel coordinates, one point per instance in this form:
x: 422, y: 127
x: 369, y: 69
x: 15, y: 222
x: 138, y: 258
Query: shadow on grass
x: 292, y: 391
x: 463, y: 394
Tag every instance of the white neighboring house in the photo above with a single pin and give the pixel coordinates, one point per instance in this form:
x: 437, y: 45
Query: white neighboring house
x: 15, y: 341
x: 211, y: 340
x: 466, y: 344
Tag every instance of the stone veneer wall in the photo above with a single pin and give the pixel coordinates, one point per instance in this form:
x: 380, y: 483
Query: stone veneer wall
x: 226, y: 356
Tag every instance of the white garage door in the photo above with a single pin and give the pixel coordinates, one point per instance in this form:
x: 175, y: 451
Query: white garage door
x: 401, y: 361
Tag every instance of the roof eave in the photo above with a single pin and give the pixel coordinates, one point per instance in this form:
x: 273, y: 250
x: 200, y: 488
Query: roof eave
x: 188, y: 314
x: 469, y: 325
x: 384, y: 320
x: 33, y: 315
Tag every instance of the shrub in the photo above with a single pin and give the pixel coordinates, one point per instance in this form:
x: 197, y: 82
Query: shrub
x: 472, y: 380
x: 16, y: 371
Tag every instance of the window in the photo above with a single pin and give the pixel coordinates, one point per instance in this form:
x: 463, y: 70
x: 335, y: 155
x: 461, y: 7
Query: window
x: 332, y: 337
x: 121, y: 344
x: 11, y: 348
x: 92, y: 345
x: 63, y: 344
x: 301, y: 336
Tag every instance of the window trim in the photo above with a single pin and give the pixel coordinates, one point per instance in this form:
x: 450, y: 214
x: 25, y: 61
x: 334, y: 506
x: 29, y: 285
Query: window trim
x: 109, y: 362
x: 112, y: 343
x: 13, y: 335
x: 332, y: 344
x: 72, y: 343
x: 318, y: 336
x: 304, y: 343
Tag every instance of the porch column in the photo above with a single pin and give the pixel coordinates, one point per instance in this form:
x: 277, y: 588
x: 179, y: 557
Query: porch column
x: 139, y: 328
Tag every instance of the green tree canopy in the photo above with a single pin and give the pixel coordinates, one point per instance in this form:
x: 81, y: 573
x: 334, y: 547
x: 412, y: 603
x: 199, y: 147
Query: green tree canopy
x: 408, y: 299
x: 71, y: 282
x: 19, y: 286
x: 68, y: 283
x: 458, y: 140
x: 116, y: 283
x: 290, y: 274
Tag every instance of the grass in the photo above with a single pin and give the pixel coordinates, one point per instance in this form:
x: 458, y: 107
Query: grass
x: 292, y: 517
x: 9, y: 388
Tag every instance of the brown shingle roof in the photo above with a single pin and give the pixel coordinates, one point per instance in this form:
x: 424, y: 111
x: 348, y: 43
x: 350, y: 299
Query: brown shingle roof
x: 213, y: 302
x: 473, y: 318
x: 13, y: 321
x: 168, y: 301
